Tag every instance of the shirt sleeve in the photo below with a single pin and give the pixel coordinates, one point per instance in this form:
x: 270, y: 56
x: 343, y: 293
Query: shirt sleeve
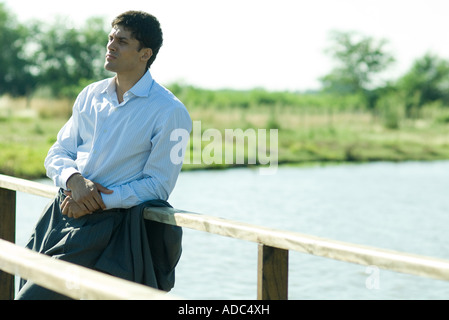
x: 162, y: 167
x: 60, y: 161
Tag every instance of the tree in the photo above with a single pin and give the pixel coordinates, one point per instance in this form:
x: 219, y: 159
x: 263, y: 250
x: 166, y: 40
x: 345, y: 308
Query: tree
x: 427, y: 81
x: 359, y: 59
x: 68, y: 58
x: 16, y: 78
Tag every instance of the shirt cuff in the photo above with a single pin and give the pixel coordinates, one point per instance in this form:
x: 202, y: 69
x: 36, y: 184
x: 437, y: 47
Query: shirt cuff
x: 113, y: 200
x: 65, y: 175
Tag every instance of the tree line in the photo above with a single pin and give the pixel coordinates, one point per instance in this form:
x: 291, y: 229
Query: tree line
x: 38, y: 55
x: 63, y: 60
x: 359, y: 61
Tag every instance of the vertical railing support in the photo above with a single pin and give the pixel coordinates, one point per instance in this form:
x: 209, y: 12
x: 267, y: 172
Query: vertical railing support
x: 272, y: 273
x: 7, y: 232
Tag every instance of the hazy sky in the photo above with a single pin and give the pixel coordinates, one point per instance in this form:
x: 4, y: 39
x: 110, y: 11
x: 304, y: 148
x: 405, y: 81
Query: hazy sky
x: 278, y: 45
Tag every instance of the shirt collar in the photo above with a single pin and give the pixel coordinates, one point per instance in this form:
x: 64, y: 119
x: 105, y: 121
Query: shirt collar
x: 143, y: 86
x: 140, y: 89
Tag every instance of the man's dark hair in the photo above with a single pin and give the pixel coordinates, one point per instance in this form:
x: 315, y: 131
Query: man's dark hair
x: 145, y: 28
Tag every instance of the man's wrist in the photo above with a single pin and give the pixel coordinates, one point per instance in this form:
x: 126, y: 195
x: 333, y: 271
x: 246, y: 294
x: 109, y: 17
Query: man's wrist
x: 74, y: 176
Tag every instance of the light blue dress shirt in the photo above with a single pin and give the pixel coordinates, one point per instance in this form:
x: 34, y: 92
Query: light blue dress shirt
x: 124, y: 146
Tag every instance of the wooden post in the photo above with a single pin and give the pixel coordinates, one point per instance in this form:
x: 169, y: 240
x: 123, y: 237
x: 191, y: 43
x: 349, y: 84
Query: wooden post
x: 7, y: 232
x: 272, y: 273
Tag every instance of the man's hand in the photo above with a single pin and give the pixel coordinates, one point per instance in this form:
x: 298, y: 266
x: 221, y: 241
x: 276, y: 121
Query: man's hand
x: 86, y: 194
x: 70, y: 208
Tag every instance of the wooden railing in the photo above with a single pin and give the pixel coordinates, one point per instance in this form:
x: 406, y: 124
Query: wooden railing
x: 68, y: 279
x: 273, y: 249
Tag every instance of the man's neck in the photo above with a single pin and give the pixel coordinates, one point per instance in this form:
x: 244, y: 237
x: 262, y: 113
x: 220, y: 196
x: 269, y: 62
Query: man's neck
x: 124, y: 82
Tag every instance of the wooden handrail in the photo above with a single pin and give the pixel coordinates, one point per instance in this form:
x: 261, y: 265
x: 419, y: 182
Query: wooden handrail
x: 66, y: 278
x: 27, y: 186
x: 273, y: 244
x: 337, y: 250
x: 71, y: 280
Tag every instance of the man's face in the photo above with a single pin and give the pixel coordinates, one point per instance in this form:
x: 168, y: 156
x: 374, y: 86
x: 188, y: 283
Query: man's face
x: 123, y: 54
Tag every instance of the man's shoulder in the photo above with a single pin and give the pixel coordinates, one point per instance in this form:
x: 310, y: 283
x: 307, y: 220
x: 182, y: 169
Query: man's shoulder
x: 172, y: 109
x: 165, y: 97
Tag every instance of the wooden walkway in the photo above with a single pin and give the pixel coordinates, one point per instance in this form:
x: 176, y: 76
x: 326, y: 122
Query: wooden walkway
x: 273, y: 248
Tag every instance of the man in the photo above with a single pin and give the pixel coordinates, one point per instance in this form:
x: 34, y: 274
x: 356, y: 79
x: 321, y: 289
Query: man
x: 111, y: 159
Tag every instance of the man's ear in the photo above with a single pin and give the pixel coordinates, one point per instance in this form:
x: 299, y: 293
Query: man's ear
x: 147, y: 53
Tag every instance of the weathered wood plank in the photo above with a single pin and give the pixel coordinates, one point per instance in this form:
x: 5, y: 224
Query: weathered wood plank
x: 337, y: 250
x: 72, y: 280
x: 8, y: 215
x: 8, y: 233
x: 27, y: 186
x: 272, y: 273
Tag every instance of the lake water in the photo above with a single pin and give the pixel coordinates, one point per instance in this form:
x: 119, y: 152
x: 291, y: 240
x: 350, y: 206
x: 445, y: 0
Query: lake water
x: 397, y: 206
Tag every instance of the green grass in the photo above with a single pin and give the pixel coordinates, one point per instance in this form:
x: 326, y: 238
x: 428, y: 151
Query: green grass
x: 24, y: 144
x: 312, y: 136
x: 315, y: 134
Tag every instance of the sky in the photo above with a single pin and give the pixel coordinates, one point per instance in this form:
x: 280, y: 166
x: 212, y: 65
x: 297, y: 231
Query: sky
x: 276, y: 45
